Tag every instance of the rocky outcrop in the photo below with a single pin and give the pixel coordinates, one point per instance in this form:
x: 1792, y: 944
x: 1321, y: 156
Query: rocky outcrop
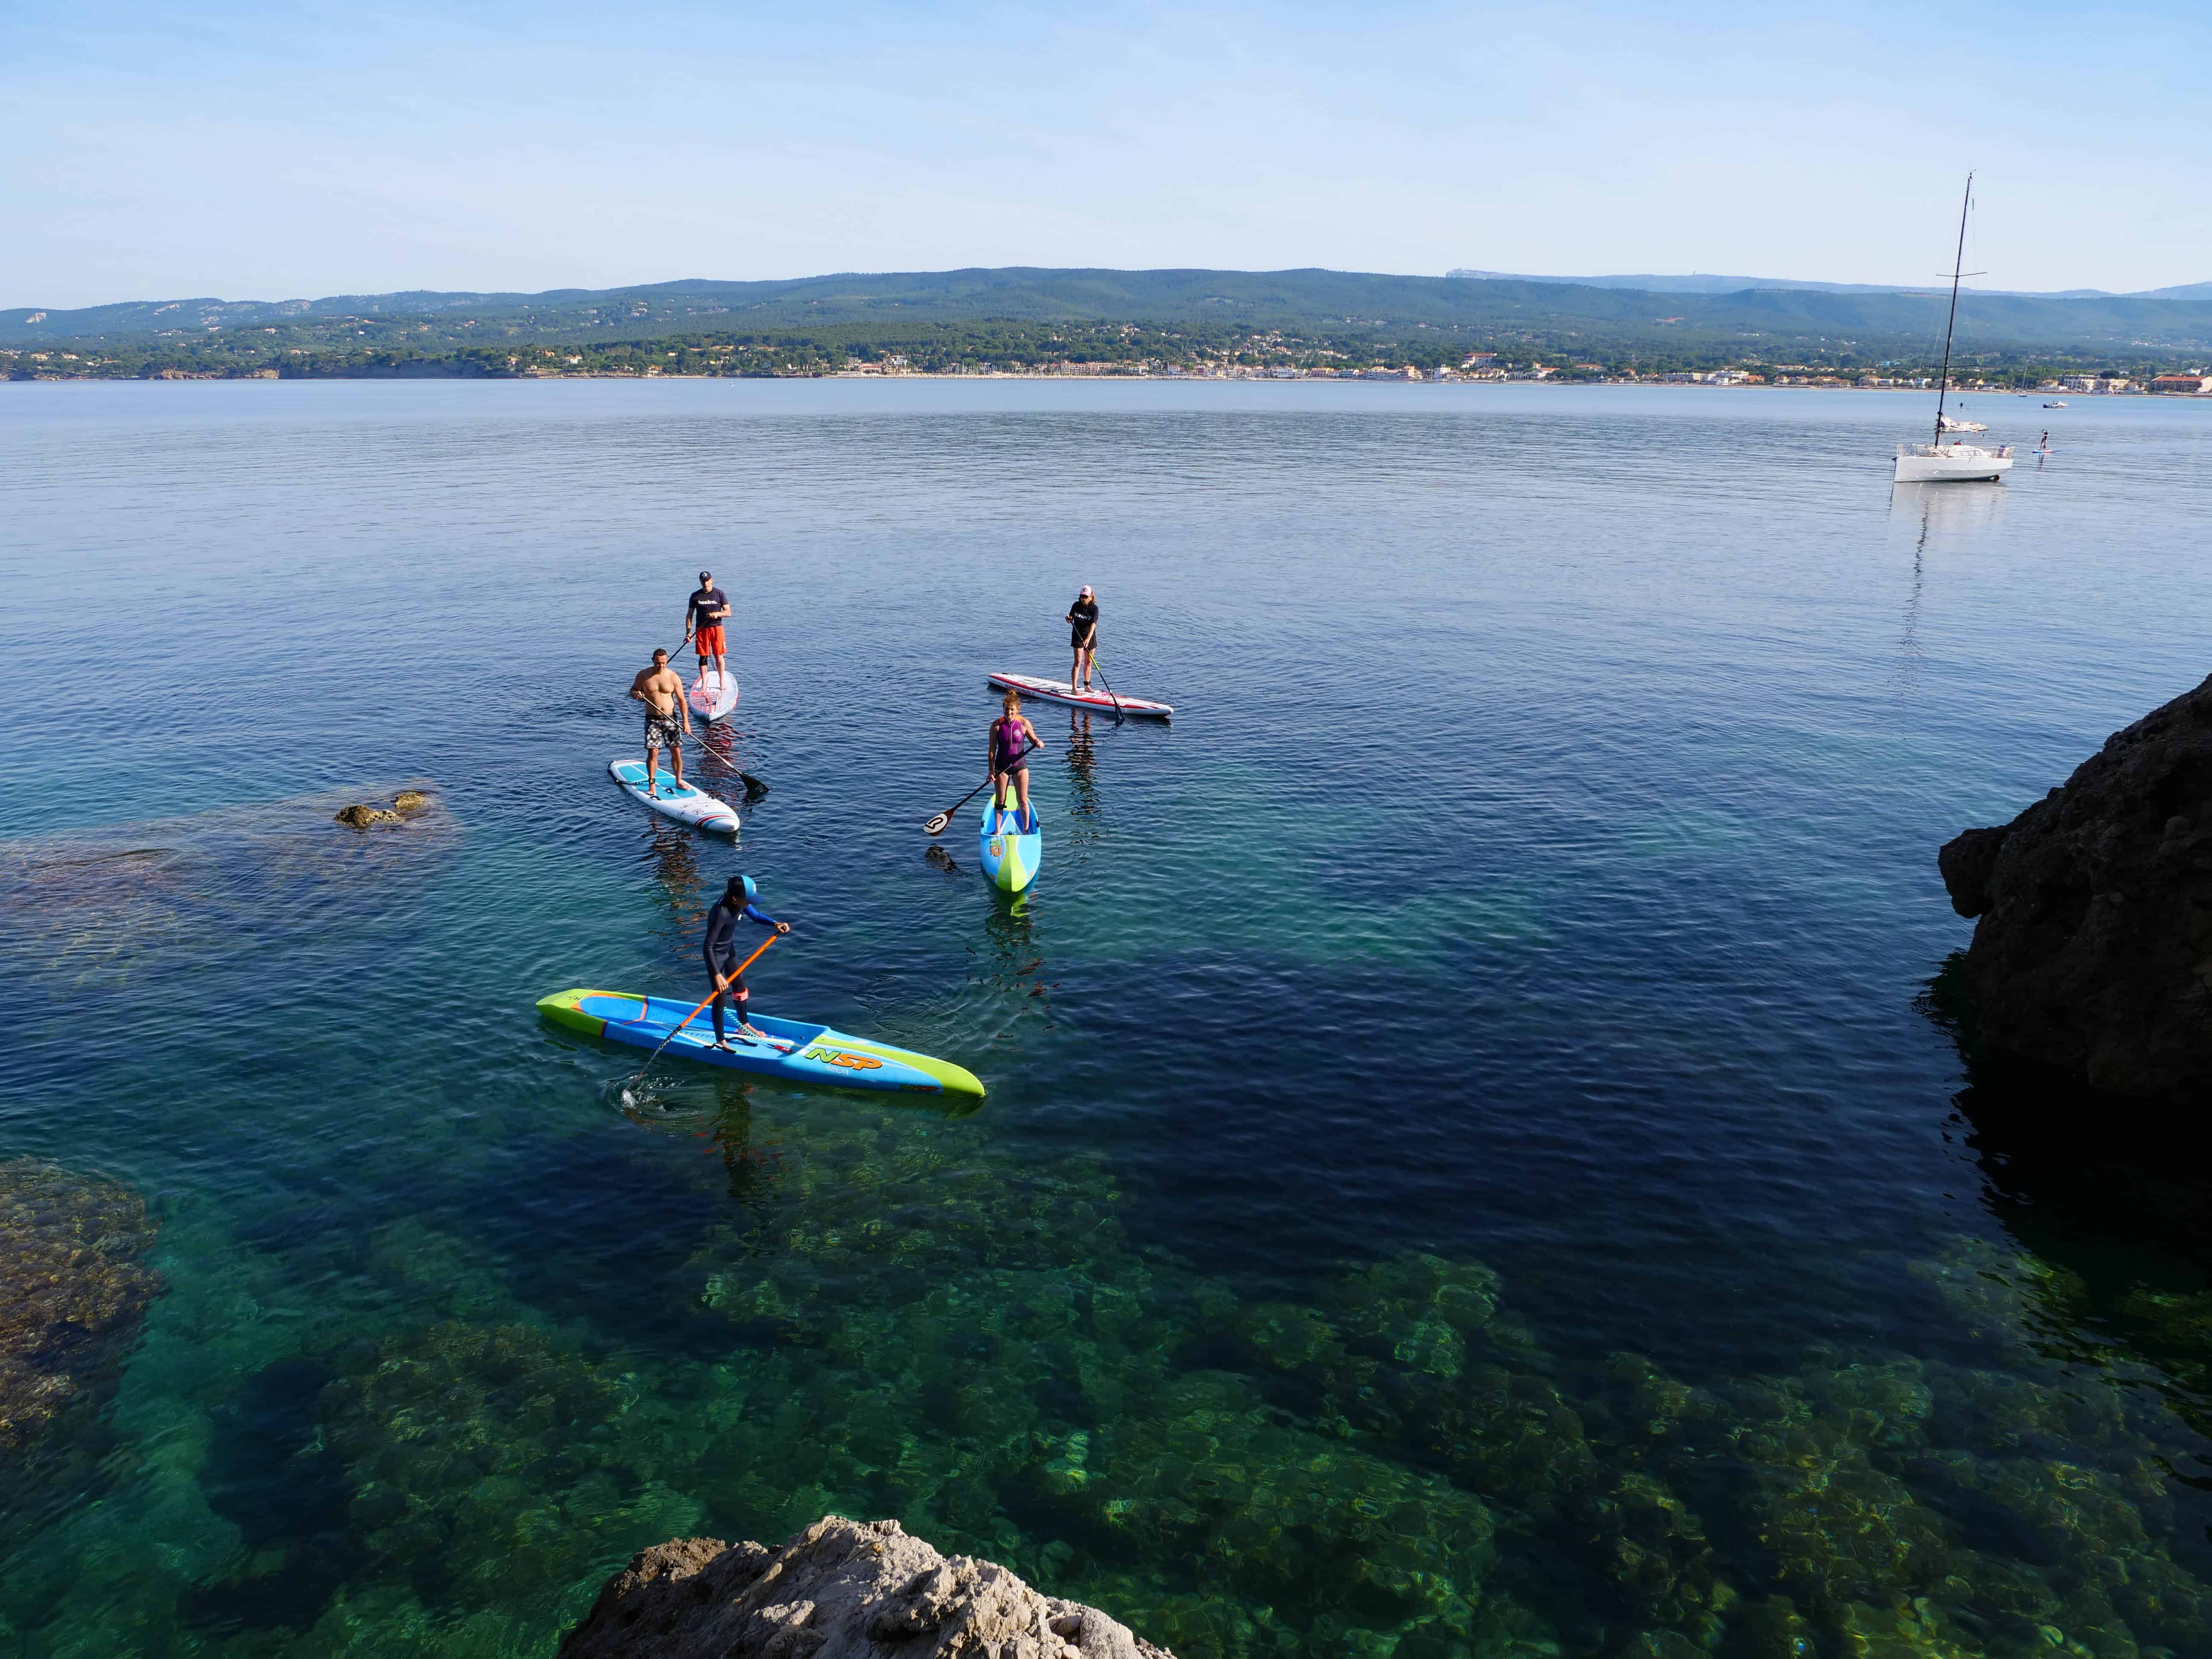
x: 404, y: 805
x: 2093, y: 953
x: 841, y: 1589
x: 74, y: 1287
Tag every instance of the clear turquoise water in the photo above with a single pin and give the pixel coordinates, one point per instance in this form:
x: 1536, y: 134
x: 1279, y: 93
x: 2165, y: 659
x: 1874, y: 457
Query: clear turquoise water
x: 1463, y: 1171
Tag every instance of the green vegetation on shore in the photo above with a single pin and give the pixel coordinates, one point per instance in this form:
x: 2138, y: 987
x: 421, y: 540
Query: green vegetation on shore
x: 1001, y: 347
x: 1029, y: 320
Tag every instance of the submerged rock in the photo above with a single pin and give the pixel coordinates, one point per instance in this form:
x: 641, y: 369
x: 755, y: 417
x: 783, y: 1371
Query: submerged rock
x: 2093, y: 951
x: 404, y: 805
x: 841, y: 1589
x: 75, y: 1290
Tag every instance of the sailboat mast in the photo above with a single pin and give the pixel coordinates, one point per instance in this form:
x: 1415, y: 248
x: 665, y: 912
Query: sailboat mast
x: 1958, y: 264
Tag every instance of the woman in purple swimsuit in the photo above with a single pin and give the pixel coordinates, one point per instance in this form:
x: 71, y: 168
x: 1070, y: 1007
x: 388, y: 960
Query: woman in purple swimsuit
x: 1012, y: 738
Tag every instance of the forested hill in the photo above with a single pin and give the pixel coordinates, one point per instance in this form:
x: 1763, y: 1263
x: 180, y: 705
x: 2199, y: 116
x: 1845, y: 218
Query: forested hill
x: 1565, y: 316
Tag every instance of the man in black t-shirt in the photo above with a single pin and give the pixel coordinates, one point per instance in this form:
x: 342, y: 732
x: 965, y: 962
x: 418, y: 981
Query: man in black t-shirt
x: 703, y: 621
x: 1083, y: 626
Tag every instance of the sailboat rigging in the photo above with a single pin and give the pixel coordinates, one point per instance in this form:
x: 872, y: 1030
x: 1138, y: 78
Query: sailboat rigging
x: 1953, y: 462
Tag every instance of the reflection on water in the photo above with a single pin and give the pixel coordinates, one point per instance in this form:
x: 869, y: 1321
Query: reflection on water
x: 1082, y: 766
x: 681, y: 888
x: 1950, y: 514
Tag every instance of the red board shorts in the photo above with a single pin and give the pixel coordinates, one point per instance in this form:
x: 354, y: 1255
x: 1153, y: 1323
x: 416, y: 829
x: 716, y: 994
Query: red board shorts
x: 708, y: 642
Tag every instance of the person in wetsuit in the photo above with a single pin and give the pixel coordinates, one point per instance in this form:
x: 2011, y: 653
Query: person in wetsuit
x: 735, y: 905
x: 1012, y: 738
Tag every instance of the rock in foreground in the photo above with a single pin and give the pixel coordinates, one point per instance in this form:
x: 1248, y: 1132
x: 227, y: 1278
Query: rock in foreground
x: 841, y: 1589
x: 2093, y: 950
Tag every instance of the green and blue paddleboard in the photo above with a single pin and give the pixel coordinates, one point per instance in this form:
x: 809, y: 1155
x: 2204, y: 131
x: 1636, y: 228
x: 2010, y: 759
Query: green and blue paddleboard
x: 794, y: 1051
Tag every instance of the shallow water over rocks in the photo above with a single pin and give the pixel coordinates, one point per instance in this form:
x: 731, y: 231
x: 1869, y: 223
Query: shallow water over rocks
x: 1463, y: 1173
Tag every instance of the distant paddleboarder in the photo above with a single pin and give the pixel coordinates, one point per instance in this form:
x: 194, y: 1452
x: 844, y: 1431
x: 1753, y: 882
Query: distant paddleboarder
x: 1012, y: 738
x: 661, y: 689
x: 703, y: 621
x: 1083, y: 635
x: 735, y: 905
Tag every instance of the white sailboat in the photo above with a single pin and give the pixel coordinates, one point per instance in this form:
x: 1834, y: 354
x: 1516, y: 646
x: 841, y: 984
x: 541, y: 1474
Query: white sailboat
x: 1952, y: 462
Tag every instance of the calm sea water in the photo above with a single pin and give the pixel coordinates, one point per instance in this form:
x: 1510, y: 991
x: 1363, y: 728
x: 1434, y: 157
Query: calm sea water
x: 1463, y: 1172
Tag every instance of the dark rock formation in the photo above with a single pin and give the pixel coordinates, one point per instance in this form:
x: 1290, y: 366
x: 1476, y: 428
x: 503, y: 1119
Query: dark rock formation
x: 2092, y: 956
x: 73, y: 1288
x: 841, y: 1589
x: 404, y: 805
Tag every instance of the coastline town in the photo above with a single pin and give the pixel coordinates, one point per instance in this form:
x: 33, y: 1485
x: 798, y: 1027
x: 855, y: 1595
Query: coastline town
x: 715, y: 361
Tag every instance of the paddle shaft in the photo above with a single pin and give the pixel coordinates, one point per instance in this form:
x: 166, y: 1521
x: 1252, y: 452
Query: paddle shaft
x: 945, y: 817
x: 745, y: 777
x: 1118, y: 715
x: 721, y: 984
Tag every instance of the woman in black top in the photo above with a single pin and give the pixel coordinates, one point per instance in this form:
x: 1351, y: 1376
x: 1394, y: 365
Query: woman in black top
x: 1083, y: 624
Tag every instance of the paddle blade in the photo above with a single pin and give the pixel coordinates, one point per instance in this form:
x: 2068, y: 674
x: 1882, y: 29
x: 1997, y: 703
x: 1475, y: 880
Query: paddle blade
x: 936, y: 826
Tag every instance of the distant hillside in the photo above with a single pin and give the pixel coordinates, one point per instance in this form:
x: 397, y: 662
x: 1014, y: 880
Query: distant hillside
x: 1701, y: 282
x: 1779, y: 319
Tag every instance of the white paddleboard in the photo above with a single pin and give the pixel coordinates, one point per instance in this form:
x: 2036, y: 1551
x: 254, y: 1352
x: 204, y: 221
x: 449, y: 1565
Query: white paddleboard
x: 686, y: 804
x: 713, y: 696
x: 1060, y: 691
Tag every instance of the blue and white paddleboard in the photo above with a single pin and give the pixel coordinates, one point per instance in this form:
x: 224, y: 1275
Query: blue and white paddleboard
x: 1011, y: 856
x: 683, y: 802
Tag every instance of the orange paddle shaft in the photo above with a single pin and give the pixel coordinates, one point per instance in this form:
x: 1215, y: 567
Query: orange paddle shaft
x: 721, y: 985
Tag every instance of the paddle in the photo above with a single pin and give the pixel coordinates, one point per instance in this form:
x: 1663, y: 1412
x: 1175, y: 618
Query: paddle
x: 1118, y: 715
x: 754, y: 788
x: 720, y: 985
x: 935, y: 826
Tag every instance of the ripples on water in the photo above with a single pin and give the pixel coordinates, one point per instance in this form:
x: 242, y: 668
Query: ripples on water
x: 1463, y: 1168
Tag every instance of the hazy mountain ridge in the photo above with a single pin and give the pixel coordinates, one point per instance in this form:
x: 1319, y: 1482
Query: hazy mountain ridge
x: 1784, y: 318
x: 1703, y: 282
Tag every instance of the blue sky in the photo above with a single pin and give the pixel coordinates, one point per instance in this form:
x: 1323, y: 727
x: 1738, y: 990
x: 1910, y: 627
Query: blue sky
x: 267, y: 151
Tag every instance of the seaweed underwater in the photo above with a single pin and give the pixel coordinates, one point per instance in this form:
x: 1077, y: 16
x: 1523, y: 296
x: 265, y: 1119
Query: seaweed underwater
x: 894, y: 1320
x: 347, y: 1430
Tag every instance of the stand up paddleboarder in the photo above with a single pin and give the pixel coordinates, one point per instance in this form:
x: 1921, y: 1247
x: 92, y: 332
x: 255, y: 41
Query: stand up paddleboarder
x: 1012, y: 738
x: 703, y: 621
x: 661, y: 691
x: 1083, y: 635
x: 735, y: 905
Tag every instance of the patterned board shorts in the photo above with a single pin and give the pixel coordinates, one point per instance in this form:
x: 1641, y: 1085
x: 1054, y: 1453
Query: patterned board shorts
x: 663, y: 732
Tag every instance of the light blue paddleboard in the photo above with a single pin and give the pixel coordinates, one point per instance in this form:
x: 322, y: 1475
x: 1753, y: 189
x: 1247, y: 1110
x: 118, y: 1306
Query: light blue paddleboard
x: 685, y: 802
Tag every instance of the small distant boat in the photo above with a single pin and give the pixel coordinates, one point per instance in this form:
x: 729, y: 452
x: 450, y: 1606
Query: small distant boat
x: 2054, y: 405
x: 1953, y: 462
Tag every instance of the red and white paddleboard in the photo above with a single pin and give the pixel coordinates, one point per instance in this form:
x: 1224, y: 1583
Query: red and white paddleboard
x: 1060, y: 691
x: 713, y: 696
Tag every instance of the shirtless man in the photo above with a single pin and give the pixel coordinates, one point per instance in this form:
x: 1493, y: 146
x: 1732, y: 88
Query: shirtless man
x: 661, y: 689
